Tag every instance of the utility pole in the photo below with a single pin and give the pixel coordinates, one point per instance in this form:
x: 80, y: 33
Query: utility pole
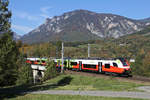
x: 88, y: 50
x: 62, y: 58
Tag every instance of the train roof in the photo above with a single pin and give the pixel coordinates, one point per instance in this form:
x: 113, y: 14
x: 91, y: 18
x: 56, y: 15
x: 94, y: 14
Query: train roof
x: 96, y: 58
x: 91, y: 58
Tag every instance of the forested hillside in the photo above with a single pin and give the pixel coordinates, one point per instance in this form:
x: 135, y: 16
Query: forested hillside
x: 135, y: 46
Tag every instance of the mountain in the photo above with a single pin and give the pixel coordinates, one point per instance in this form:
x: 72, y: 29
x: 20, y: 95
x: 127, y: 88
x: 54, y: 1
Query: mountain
x: 147, y: 20
x: 143, y: 33
x: 83, y: 25
x: 136, y: 41
x: 16, y: 36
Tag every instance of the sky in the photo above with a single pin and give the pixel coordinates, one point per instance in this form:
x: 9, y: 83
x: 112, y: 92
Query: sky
x: 29, y: 14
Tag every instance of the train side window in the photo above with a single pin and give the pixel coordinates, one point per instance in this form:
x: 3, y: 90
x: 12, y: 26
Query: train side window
x: 73, y: 63
x: 115, y: 65
x: 65, y: 62
x: 107, y: 65
x: 43, y: 61
x: 58, y: 63
x: 89, y: 66
x: 32, y: 62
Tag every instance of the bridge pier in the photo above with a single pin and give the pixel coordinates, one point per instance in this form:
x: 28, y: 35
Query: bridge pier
x: 38, y: 72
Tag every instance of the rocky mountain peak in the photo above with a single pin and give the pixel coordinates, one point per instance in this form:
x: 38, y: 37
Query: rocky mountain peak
x: 83, y: 25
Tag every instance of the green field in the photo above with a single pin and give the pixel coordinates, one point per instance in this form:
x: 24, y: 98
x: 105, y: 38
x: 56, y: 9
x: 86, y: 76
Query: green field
x: 70, y: 82
x: 65, y: 97
x: 78, y: 82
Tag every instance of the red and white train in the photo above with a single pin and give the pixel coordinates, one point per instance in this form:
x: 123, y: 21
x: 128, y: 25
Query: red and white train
x: 119, y: 66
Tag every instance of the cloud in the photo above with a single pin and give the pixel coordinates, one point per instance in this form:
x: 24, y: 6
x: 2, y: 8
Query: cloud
x: 23, y: 29
x: 44, y: 15
x: 45, y: 9
x: 25, y: 15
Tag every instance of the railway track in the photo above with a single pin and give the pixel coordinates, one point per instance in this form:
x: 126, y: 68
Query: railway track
x: 140, y: 78
x: 136, y: 79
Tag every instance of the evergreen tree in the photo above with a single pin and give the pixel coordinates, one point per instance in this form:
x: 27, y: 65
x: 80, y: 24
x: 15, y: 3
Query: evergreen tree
x: 8, y: 49
x: 25, y: 75
x: 5, y: 16
x: 50, y: 70
x: 8, y: 57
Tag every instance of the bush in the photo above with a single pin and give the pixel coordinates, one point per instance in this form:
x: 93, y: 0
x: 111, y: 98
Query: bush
x: 141, y: 66
x: 51, y: 71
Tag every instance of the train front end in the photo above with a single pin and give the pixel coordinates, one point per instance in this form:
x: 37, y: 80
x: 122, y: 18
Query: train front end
x: 126, y: 66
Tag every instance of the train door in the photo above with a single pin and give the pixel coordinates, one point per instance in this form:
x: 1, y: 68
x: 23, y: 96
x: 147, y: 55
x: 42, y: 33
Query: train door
x: 59, y: 66
x: 80, y: 65
x: 68, y: 64
x: 100, y: 67
x: 65, y: 64
x: 107, y: 67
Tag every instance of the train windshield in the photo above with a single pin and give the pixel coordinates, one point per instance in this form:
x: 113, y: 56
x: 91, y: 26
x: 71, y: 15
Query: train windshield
x: 124, y: 61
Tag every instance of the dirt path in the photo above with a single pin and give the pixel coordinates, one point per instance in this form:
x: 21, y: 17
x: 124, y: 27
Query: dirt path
x: 144, y: 88
x: 142, y: 95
